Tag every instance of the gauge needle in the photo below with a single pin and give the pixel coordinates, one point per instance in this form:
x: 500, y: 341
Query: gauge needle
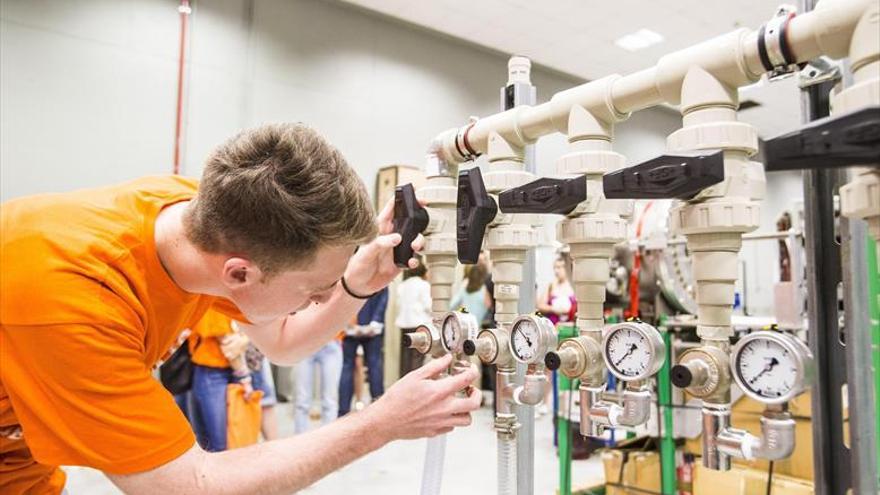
x: 769, y: 366
x: 632, y: 347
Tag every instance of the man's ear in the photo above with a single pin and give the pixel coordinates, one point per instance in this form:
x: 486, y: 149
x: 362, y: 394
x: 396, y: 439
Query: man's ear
x: 240, y: 272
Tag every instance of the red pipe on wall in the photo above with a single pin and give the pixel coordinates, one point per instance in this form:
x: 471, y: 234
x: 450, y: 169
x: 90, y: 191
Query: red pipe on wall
x: 185, y: 11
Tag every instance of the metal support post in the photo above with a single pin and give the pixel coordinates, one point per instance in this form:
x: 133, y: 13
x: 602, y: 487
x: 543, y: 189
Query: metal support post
x: 514, y: 94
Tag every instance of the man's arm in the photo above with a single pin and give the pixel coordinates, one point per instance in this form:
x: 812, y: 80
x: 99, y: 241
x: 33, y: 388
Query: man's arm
x: 416, y: 406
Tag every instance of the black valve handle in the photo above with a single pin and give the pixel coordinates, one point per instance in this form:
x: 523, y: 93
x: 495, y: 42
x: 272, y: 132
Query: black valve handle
x: 681, y: 176
x: 410, y: 220
x: 545, y: 195
x: 681, y: 376
x: 837, y: 141
x: 475, y: 210
x: 469, y: 347
x: 552, y: 361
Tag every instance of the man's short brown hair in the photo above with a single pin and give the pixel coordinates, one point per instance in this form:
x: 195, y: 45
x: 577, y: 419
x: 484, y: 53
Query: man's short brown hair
x: 276, y: 194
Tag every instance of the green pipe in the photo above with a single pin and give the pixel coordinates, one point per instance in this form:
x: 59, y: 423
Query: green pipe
x: 874, y: 308
x: 668, y: 479
x: 563, y: 424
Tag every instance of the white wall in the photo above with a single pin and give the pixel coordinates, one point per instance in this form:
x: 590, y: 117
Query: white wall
x: 88, y: 92
x: 88, y: 87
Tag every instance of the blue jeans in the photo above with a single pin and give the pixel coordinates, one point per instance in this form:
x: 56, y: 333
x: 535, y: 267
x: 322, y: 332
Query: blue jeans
x: 209, y: 404
x: 373, y: 362
x: 329, y: 360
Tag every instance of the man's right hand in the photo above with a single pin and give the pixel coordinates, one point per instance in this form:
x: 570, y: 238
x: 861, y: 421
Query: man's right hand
x: 419, y: 405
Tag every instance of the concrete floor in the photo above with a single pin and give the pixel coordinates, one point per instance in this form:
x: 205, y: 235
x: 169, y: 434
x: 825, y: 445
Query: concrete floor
x: 396, y: 469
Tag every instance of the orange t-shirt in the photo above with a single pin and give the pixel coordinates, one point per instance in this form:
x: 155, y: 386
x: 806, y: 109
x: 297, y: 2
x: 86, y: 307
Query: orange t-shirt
x: 86, y: 310
x: 204, y: 341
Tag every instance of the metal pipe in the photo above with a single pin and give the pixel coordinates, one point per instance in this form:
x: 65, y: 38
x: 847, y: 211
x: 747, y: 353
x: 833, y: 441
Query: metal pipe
x: 776, y: 442
x: 533, y: 389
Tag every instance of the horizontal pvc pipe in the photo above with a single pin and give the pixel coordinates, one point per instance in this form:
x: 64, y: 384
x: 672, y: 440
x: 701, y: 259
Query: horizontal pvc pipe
x: 732, y: 58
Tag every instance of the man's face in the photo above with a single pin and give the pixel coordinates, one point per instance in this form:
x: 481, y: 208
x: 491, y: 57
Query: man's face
x: 294, y: 290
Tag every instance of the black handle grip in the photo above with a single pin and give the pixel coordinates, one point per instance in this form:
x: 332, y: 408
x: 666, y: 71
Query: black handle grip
x: 839, y: 141
x: 679, y: 176
x: 545, y: 195
x: 475, y: 210
x: 410, y: 220
x: 681, y: 376
x: 469, y: 347
x: 552, y: 361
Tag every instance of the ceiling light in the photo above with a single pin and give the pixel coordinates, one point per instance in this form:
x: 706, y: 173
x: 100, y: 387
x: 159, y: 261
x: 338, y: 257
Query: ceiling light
x: 638, y: 40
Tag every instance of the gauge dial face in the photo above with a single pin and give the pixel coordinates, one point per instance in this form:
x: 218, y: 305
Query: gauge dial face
x: 451, y: 333
x: 526, y: 340
x: 767, y: 369
x: 629, y: 352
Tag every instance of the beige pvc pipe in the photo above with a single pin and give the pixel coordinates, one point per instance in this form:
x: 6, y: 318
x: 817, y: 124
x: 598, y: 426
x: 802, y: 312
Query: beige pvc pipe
x: 731, y: 58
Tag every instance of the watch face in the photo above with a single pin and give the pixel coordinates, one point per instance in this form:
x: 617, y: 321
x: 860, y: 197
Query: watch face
x: 526, y: 340
x: 629, y: 353
x: 767, y: 369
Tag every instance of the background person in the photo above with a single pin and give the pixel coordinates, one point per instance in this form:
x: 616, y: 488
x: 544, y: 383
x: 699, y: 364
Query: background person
x: 367, y: 332
x: 328, y: 361
x: 559, y: 305
x: 473, y: 296
x: 558, y: 302
x: 218, y: 352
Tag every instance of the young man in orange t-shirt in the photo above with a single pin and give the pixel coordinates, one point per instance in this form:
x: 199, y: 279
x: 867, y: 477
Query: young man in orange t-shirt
x: 97, y: 284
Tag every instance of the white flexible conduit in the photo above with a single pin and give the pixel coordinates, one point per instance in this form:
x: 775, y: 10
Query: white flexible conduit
x: 506, y: 465
x: 432, y: 473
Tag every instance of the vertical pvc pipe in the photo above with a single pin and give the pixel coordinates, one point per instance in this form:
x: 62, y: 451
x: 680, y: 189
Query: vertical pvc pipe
x: 667, y: 441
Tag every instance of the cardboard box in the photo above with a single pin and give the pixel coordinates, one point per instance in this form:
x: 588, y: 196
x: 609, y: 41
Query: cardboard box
x: 746, y: 481
x: 634, y: 469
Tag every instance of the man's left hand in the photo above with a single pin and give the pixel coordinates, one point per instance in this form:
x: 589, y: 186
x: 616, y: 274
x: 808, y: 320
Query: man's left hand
x: 372, y: 267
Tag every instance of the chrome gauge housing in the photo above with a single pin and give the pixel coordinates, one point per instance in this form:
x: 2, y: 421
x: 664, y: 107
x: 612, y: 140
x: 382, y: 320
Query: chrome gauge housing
x: 633, y: 350
x: 771, y: 367
x: 532, y: 337
x: 456, y: 327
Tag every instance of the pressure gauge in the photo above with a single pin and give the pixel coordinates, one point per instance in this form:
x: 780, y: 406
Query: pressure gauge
x: 771, y: 367
x: 457, y: 327
x: 531, y: 337
x: 633, y: 350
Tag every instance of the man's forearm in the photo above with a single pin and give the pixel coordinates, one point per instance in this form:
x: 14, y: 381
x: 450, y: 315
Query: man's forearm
x: 280, y: 466
x: 302, y: 334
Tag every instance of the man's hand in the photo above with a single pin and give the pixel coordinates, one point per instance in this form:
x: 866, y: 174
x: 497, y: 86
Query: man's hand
x: 372, y: 267
x: 419, y: 405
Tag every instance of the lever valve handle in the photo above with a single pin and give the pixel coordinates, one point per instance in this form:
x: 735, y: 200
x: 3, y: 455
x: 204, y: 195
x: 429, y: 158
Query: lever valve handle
x: 837, y: 141
x: 410, y: 220
x: 681, y: 176
x: 475, y: 210
x: 545, y: 195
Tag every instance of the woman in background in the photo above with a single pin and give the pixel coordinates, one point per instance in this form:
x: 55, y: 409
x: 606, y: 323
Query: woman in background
x: 413, y: 309
x: 559, y: 305
x: 558, y: 302
x: 474, y: 296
